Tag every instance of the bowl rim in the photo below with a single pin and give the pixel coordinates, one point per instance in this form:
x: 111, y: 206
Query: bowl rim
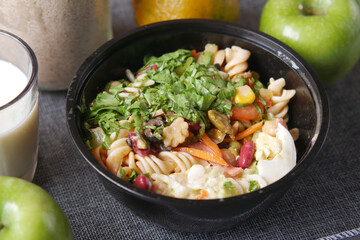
x: 316, y: 89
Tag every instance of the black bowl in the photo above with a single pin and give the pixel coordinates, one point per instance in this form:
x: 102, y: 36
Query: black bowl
x: 309, y: 111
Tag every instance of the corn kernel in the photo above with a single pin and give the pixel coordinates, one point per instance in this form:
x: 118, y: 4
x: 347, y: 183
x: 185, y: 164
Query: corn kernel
x: 244, y: 95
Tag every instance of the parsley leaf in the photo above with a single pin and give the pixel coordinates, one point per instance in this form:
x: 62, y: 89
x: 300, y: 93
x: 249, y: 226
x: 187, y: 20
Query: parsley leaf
x: 229, y: 184
x: 184, y: 86
x: 253, y: 186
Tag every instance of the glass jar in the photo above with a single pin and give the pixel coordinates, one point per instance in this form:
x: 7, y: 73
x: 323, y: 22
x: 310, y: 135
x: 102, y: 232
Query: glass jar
x: 62, y: 34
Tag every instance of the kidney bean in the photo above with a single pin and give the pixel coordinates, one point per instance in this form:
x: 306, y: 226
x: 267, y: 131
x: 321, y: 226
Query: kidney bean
x: 143, y: 182
x: 246, y: 155
x: 142, y: 152
x: 193, y: 127
x: 133, y: 139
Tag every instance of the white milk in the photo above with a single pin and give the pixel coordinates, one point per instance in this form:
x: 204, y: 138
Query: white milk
x: 18, y: 129
x: 12, y: 82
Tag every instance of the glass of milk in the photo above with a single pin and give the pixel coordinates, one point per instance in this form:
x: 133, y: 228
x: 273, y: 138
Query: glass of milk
x: 19, y: 118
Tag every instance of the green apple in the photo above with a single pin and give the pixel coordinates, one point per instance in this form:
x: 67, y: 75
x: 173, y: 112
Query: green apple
x: 29, y: 212
x: 326, y: 33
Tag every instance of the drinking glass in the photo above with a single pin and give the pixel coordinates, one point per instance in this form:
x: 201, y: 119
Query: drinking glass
x: 19, y: 118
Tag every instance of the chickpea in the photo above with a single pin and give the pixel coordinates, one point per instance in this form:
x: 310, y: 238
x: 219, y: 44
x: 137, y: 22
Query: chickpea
x: 270, y: 127
x: 235, y: 145
x: 233, y: 151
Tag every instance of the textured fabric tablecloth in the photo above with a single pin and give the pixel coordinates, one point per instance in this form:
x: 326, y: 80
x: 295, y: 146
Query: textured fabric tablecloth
x: 323, y: 202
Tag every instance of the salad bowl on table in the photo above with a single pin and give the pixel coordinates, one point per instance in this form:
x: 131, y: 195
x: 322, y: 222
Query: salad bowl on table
x: 308, y: 111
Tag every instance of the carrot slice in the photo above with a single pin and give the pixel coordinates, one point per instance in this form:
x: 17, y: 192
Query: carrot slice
x: 213, y: 146
x: 250, y: 130
x: 203, y: 194
x: 208, y: 156
x: 193, y: 53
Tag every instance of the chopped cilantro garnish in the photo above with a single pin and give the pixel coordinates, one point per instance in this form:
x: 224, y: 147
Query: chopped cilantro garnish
x: 258, y: 109
x: 183, y: 86
x: 133, y: 176
x: 229, y: 184
x: 253, y: 186
x: 121, y: 170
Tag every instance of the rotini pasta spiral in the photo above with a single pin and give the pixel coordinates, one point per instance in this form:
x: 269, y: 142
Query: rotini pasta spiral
x: 129, y: 165
x: 164, y: 163
x: 236, y: 60
x: 182, y: 161
x: 123, y: 133
x: 280, y: 98
x: 118, y: 150
x: 219, y: 57
x: 152, y: 164
x: 145, y: 164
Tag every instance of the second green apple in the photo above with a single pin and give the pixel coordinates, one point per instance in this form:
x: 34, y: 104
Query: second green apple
x: 28, y: 212
x: 326, y: 33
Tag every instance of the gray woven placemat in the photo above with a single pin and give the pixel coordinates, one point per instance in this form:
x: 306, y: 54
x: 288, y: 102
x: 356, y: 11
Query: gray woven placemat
x: 323, y: 203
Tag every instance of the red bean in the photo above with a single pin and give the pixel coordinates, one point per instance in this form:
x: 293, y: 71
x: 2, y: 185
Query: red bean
x: 194, y: 127
x: 143, y: 182
x: 133, y: 142
x: 246, y: 155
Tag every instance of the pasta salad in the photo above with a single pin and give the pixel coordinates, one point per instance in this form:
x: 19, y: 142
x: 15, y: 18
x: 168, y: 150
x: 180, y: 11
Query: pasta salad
x: 195, y: 125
